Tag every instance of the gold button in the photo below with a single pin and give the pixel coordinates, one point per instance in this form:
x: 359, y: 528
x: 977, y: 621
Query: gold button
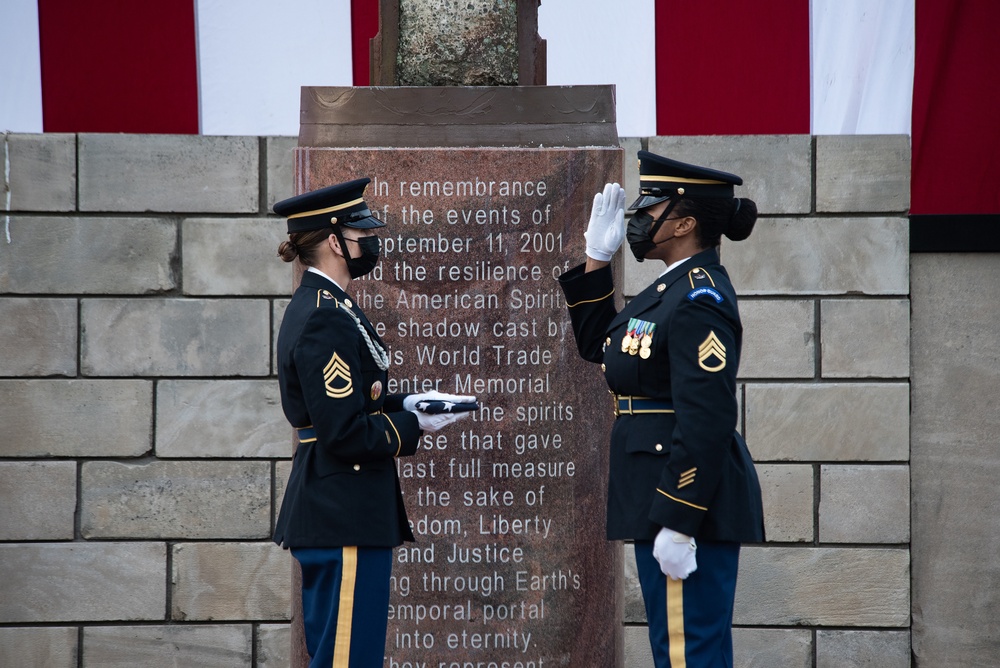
x: 604, y: 367
x: 607, y: 341
x: 661, y: 287
x: 348, y: 302
x: 357, y: 467
x: 659, y: 447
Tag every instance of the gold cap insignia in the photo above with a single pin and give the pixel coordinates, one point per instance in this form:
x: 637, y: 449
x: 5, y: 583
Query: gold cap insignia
x: 337, y: 370
x: 712, y: 347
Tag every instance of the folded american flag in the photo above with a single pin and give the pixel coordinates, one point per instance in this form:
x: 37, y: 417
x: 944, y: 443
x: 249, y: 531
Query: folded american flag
x: 435, y: 407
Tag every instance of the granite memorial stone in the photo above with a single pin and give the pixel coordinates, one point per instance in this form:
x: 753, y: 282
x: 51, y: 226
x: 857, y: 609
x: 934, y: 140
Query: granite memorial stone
x: 508, y: 507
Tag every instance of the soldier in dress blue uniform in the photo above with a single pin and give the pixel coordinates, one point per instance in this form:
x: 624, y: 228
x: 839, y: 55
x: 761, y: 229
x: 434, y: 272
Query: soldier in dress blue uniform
x: 343, y: 512
x: 681, y: 484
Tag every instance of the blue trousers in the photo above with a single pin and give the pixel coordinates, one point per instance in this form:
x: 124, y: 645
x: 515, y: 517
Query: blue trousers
x: 691, y: 620
x: 345, y: 604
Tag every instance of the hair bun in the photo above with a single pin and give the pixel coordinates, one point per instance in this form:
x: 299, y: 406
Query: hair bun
x: 288, y: 251
x: 742, y: 220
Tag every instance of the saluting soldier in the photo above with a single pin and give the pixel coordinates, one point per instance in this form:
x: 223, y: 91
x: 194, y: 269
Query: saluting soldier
x: 343, y: 512
x: 682, y: 483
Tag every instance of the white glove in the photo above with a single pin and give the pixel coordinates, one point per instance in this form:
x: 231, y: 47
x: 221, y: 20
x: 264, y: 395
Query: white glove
x: 437, y: 421
x: 606, y: 228
x: 675, y: 553
x: 410, y: 402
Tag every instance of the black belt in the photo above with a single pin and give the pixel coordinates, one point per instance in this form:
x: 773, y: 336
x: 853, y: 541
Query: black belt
x: 625, y: 405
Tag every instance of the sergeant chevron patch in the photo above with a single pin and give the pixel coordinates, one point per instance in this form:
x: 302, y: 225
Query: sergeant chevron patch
x: 337, y: 370
x: 709, y: 348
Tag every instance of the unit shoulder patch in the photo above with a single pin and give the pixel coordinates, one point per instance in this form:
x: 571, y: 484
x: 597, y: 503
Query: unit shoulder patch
x: 706, y: 291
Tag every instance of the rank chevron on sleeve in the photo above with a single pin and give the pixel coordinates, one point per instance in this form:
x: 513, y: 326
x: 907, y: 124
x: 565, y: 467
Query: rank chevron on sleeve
x: 335, y: 369
x: 710, y: 347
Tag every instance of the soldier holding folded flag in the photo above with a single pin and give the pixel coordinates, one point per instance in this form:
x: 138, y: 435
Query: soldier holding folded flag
x: 343, y: 511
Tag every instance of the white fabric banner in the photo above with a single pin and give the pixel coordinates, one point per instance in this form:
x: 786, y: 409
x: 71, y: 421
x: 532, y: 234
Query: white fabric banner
x: 254, y: 55
x: 599, y: 42
x: 20, y: 67
x: 862, y: 66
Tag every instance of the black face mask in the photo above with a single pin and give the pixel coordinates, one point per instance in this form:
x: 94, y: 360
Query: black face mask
x: 641, y: 230
x: 370, y: 247
x: 638, y: 234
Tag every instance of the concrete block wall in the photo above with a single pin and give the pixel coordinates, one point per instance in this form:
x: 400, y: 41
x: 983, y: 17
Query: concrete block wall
x: 143, y: 451
x: 142, y: 446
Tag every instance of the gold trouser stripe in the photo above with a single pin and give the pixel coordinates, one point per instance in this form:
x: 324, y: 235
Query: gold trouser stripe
x: 675, y: 622
x: 590, y: 301
x: 345, y: 612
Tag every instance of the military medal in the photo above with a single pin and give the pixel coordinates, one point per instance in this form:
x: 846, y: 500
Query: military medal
x: 646, y: 342
x: 633, y: 347
x: 627, y: 340
x: 640, y: 336
x: 376, y: 390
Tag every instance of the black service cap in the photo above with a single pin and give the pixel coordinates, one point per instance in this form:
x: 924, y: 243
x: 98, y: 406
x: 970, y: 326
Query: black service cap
x: 662, y: 178
x: 342, y: 204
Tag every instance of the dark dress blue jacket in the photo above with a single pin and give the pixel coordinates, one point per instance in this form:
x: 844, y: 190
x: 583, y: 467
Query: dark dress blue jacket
x: 688, y: 469
x: 343, y: 489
